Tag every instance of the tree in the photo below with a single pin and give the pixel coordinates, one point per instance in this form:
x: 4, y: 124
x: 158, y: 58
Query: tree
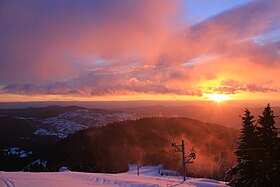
x: 268, y: 140
x: 276, y: 174
x: 245, y: 172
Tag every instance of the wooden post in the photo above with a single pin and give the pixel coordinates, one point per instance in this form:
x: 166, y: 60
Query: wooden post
x: 184, y: 161
x: 138, y: 168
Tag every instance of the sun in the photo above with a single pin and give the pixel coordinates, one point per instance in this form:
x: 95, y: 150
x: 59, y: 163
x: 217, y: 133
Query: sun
x: 218, y: 97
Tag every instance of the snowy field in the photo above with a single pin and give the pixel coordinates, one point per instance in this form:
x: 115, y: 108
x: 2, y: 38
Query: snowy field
x: 148, y: 177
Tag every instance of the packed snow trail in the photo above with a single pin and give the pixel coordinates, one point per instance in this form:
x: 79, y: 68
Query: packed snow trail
x: 6, y: 183
x: 149, y: 177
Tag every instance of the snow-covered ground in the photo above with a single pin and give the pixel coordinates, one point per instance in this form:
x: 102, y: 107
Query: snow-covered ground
x: 59, y: 127
x: 149, y: 177
x: 70, y: 122
x: 16, y: 151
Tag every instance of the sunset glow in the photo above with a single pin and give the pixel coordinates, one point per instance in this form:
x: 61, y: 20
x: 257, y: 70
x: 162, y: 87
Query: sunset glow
x: 218, y: 97
x: 139, y: 50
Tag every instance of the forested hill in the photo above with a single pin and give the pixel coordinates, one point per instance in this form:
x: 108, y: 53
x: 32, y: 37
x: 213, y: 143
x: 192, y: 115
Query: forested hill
x: 147, y: 141
x: 39, y: 112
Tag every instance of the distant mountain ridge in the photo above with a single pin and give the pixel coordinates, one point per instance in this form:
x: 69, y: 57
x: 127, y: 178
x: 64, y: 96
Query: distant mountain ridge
x: 38, y: 112
x: 218, y: 114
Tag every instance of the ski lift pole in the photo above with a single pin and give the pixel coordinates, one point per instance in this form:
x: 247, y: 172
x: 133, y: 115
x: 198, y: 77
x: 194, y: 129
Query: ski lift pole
x: 181, y: 148
x: 185, y: 158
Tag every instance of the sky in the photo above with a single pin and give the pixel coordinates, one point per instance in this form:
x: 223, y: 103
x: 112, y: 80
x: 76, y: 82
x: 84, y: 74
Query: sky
x: 95, y: 50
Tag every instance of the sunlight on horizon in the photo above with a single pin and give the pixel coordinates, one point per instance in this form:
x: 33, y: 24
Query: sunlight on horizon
x: 218, y: 97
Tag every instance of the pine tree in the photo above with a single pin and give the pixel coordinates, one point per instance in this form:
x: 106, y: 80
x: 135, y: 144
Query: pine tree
x: 269, y: 143
x: 276, y: 172
x: 244, y: 171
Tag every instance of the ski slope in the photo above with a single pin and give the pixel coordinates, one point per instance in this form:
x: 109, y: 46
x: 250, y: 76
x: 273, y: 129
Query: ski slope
x: 149, y: 177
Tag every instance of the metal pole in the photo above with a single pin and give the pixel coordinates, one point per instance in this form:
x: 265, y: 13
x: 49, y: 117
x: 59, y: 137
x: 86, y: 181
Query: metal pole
x: 183, y: 160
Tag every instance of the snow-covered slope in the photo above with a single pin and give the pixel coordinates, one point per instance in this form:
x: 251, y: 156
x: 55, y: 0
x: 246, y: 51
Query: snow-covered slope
x: 148, y: 177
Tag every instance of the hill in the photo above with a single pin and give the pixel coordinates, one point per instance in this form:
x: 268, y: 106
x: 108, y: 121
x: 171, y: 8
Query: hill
x: 147, y: 141
x: 25, y: 133
x: 18, y: 143
x: 39, y: 112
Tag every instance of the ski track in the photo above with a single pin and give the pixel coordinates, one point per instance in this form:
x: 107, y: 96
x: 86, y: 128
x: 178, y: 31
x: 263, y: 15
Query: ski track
x: 6, y: 183
x: 148, y: 178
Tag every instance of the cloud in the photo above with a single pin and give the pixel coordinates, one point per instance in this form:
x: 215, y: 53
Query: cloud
x: 94, y: 84
x: 233, y: 87
x: 47, y: 40
x: 95, y: 47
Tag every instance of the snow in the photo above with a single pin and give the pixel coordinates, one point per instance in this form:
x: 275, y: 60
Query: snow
x: 149, y: 177
x: 70, y: 122
x: 94, y: 119
x: 63, y: 169
x: 38, y: 162
x: 59, y: 127
x: 16, y: 151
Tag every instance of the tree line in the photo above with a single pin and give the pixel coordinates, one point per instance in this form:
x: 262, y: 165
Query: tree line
x: 257, y: 151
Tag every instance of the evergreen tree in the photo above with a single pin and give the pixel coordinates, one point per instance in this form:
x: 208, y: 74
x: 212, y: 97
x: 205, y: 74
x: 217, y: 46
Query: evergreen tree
x: 245, y: 172
x: 269, y: 143
x: 276, y: 173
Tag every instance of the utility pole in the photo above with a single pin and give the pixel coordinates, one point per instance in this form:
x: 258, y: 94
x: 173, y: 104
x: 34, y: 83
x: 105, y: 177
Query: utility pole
x: 185, y: 158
